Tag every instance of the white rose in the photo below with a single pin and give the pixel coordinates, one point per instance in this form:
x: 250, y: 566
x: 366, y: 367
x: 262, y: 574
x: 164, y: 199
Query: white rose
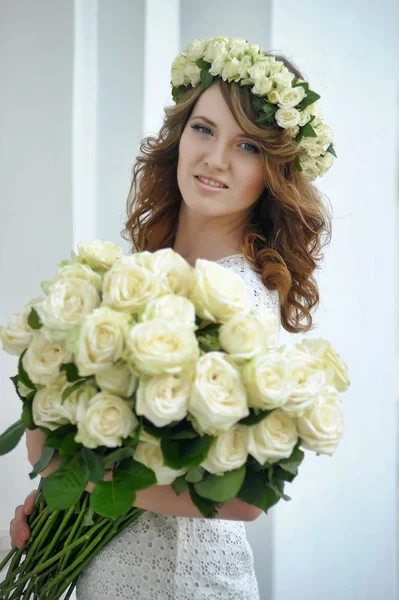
x: 218, y: 398
x: 262, y: 86
x: 253, y: 50
x: 150, y: 455
x: 238, y: 47
x: 273, y: 97
x: 172, y: 308
x: 230, y: 70
x: 178, y: 77
x: 283, y: 79
x: 307, y: 380
x: 321, y: 427
x: 83, y: 393
x: 43, y: 359
x: 101, y: 341
x: 218, y: 293
x: 229, y: 451
x: 325, y: 162
x: 309, y: 167
x: 16, y: 335
x: 304, y: 118
x: 218, y: 63
x: 104, y: 420
x: 287, y: 117
x: 79, y: 271
x: 244, y: 66
x: 258, y: 71
x: 159, y: 346
x: 47, y: 410
x: 99, y: 254
x: 176, y: 274
x: 267, y: 380
x: 290, y: 97
x: 268, y: 323
x: 163, y: 398
x: 242, y: 337
x: 335, y: 369
x: 69, y: 301
x: 192, y: 72
x: 196, y: 49
x: 273, y: 439
x: 275, y: 66
x: 217, y: 44
x: 130, y: 284
x: 312, y: 145
x: 117, y: 379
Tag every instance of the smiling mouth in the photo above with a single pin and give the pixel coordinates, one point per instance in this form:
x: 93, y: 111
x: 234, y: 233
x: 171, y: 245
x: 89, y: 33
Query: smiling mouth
x: 205, y: 183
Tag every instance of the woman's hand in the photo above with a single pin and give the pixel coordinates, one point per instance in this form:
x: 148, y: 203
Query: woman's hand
x: 19, y: 528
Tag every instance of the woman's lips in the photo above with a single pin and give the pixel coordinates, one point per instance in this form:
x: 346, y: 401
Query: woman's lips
x: 209, y: 188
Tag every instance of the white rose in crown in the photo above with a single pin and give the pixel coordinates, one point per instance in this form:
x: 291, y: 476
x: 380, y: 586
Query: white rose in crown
x: 309, y: 167
x: 218, y: 63
x: 217, y: 44
x: 307, y: 380
x: 68, y: 302
x: 149, y: 453
x: 172, y: 308
x: 263, y: 86
x: 218, y: 397
x: 192, y: 72
x: 335, y: 369
x: 104, y: 420
x: 176, y: 274
x: 16, y: 334
x: 43, y: 359
x: 83, y: 393
x: 321, y: 426
x: 99, y: 254
x: 196, y: 49
x: 229, y: 451
x: 324, y: 163
x: 129, y: 284
x: 160, y: 346
x: 242, y: 337
x: 47, y: 409
x: 283, y: 80
x: 101, y: 340
x: 238, y: 48
x: 231, y: 70
x: 178, y: 77
x: 163, y: 399
x: 274, y: 438
x: 287, y: 117
x: 244, y: 65
x: 267, y: 379
x: 117, y: 380
x: 290, y: 97
x: 218, y: 294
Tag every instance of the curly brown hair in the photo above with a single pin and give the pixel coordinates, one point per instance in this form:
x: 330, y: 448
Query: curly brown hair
x: 288, y: 224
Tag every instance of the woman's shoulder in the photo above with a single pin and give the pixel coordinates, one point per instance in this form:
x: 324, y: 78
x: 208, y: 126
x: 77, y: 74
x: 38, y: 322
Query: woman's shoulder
x: 259, y: 292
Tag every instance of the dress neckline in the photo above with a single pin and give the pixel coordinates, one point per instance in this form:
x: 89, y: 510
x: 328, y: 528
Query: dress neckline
x: 230, y: 256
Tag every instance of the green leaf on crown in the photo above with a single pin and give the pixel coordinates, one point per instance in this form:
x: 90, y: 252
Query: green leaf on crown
x: 34, y: 320
x: 206, y: 78
x: 203, y: 64
x: 309, y: 99
x: 305, y: 131
x: 331, y: 150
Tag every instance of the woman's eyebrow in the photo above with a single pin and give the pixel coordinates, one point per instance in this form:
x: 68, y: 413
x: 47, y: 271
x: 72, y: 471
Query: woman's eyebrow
x: 212, y: 124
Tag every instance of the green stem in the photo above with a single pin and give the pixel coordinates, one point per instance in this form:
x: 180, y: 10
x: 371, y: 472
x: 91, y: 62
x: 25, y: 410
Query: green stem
x: 73, y: 531
x: 60, y: 529
x: 8, y: 557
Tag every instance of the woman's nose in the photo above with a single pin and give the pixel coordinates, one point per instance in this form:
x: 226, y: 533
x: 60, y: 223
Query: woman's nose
x: 218, y: 157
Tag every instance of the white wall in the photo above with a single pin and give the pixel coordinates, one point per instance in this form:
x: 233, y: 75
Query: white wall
x: 337, y: 537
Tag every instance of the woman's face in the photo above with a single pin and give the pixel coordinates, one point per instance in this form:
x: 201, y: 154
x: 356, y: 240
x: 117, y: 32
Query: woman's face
x: 213, y: 145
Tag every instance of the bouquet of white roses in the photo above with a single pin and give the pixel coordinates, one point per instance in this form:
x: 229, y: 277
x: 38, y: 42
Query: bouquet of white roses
x: 159, y: 373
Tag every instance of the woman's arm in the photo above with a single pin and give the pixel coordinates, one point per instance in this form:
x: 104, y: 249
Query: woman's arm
x: 160, y: 499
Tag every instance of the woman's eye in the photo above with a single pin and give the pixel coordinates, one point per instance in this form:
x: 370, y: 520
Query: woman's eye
x: 254, y: 149
x: 200, y: 127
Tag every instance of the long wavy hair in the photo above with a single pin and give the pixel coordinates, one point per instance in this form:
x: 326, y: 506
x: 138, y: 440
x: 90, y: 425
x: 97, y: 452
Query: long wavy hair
x: 288, y: 225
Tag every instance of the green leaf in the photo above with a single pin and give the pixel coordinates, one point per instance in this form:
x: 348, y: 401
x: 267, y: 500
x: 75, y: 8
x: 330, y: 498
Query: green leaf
x: 221, y: 488
x: 203, y: 64
x: 309, y: 99
x: 34, y: 319
x: 305, y: 131
x: 23, y: 375
x: 255, y: 416
x: 195, y: 474
x: 15, y: 380
x: 253, y: 487
x: 69, y: 390
x: 185, y: 453
x: 113, y: 498
x: 68, y: 446
x: 206, y: 507
x: 208, y: 338
x: 179, y: 92
x: 71, y: 371
x: 94, y: 464
x: 331, y: 150
x: 298, y: 82
x: 291, y: 464
x: 206, y: 78
x: 64, y: 486
x: 11, y: 437
x: 140, y: 476
x: 179, y: 485
x: 27, y: 416
x: 284, y: 475
x: 182, y: 430
x: 43, y: 462
x: 134, y: 438
x: 54, y: 438
x: 119, y: 455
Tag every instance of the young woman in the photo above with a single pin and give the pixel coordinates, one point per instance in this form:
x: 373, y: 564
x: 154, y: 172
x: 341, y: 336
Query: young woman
x: 220, y: 184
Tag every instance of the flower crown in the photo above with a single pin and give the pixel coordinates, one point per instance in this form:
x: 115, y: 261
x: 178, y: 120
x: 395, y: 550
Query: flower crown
x: 281, y: 99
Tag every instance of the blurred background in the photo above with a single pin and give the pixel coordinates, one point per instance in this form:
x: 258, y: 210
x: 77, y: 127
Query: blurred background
x: 81, y: 82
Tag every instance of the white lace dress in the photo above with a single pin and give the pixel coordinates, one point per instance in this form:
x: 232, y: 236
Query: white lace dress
x: 174, y: 558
